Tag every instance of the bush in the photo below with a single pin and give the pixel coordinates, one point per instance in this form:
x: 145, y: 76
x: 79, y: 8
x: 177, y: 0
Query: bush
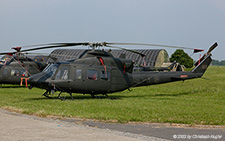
x: 183, y: 58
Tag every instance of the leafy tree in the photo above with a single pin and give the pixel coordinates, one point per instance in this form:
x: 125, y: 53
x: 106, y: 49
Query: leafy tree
x: 183, y: 58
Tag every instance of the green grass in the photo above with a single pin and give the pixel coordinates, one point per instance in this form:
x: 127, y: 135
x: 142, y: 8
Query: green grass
x: 197, y: 101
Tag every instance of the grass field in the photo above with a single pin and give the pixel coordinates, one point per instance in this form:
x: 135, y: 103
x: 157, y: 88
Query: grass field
x: 197, y: 101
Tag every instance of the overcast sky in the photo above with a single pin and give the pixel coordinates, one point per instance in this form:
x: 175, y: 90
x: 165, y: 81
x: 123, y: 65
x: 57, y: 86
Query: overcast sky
x: 189, y: 23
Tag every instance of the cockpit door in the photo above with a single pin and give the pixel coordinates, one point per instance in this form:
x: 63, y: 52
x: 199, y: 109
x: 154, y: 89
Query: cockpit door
x: 61, y: 78
x: 77, y: 84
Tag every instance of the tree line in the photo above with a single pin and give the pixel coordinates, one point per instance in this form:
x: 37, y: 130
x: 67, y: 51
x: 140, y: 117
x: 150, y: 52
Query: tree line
x: 218, y: 63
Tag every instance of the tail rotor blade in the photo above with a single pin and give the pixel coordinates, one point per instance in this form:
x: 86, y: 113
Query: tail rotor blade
x: 212, y: 47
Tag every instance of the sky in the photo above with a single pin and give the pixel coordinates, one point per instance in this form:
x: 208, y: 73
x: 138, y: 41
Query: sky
x: 187, y: 23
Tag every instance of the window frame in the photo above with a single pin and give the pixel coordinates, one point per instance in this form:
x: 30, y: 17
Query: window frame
x: 60, y: 73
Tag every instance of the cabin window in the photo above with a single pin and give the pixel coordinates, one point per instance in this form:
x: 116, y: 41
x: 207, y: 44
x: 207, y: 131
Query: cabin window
x: 15, y: 72
x: 78, y: 73
x: 92, y: 74
x: 104, y: 75
x: 62, y: 73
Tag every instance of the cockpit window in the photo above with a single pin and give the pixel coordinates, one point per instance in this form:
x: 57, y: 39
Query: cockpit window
x: 50, y: 69
x: 5, y: 59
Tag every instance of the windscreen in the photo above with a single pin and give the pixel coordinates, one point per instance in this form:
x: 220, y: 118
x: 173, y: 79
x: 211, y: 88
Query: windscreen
x: 51, y: 68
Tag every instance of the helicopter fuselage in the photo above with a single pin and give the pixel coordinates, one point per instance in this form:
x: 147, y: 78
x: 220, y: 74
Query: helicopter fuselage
x: 105, y: 74
x: 92, y: 75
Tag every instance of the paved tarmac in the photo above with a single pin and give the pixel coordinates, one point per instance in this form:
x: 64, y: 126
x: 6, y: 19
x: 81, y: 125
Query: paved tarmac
x: 18, y: 127
x: 164, y: 131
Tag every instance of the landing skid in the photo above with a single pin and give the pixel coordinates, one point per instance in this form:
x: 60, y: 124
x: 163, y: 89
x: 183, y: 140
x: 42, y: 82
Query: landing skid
x: 49, y: 93
x: 64, y: 97
x: 114, y: 98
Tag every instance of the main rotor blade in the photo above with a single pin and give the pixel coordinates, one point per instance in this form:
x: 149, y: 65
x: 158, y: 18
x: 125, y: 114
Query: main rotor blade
x: 5, y: 53
x: 142, y: 55
x: 156, y: 45
x: 47, y: 46
x: 55, y: 45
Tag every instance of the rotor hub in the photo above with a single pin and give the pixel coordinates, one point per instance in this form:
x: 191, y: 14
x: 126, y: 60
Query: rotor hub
x: 98, y: 44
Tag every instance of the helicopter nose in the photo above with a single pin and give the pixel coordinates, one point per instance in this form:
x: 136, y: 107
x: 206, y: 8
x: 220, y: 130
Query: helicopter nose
x: 38, y: 80
x: 32, y: 81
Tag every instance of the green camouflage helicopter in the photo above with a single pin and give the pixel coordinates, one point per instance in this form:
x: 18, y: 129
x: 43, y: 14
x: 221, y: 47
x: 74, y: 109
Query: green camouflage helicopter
x: 98, y: 72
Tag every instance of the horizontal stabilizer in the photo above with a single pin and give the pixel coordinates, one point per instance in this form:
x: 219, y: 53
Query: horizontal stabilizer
x: 178, y: 78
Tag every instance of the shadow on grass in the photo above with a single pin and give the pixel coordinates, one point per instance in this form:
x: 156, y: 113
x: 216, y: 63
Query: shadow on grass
x: 173, y: 95
x: 77, y: 97
x: 112, y: 97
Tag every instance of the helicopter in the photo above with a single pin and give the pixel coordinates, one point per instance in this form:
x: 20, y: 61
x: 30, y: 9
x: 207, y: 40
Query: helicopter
x: 97, y: 72
x: 152, y: 60
x: 16, y: 67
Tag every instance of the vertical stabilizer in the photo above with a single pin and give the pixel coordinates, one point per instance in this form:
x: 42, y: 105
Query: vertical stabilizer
x: 204, y: 61
x: 209, y: 52
x: 201, y: 68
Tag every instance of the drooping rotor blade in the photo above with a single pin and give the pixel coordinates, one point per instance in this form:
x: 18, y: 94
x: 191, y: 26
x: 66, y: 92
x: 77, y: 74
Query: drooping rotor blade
x: 55, y: 45
x: 156, y: 45
x: 44, y: 46
x: 5, y: 53
x: 142, y: 55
